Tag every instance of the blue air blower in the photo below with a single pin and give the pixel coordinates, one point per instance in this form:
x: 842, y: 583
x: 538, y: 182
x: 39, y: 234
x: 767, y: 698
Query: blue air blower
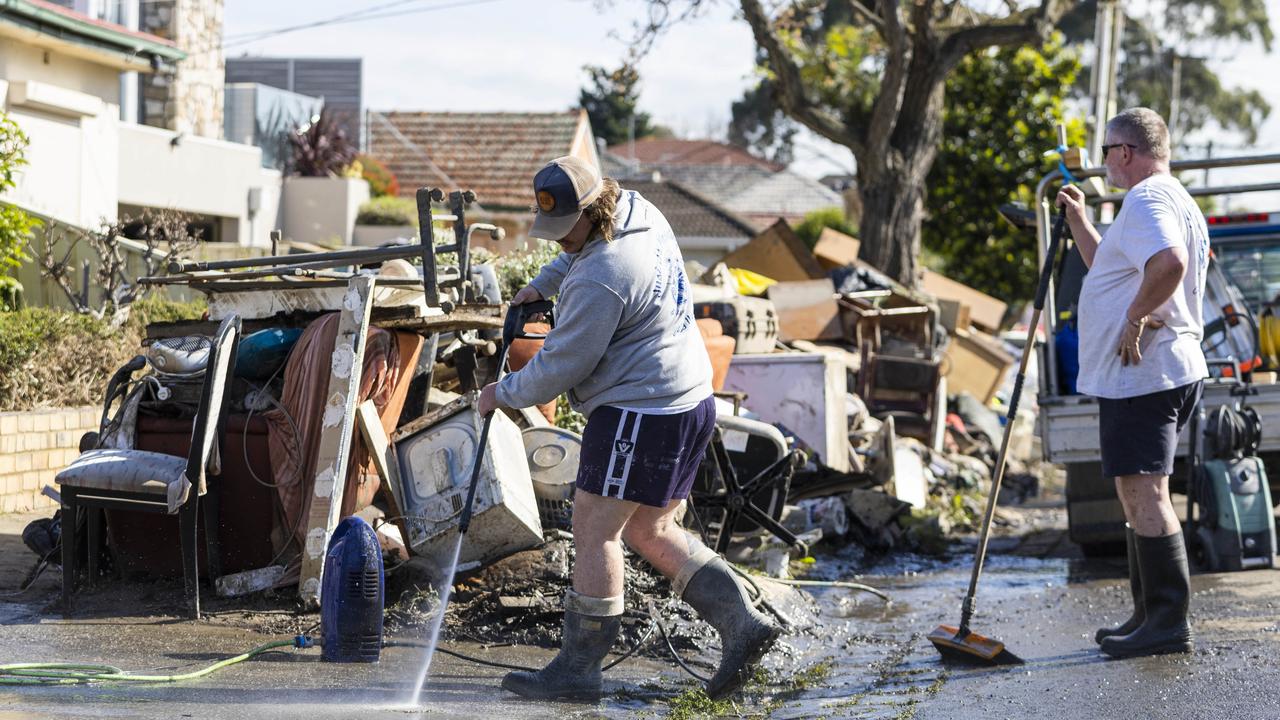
x: 351, y: 596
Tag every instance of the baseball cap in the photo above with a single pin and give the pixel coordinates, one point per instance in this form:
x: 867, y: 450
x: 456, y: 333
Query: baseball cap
x: 563, y: 189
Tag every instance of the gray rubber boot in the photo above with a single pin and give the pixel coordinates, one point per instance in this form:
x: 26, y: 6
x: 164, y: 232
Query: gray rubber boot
x: 1166, y: 592
x: 746, y: 634
x: 590, y: 627
x: 1135, y: 588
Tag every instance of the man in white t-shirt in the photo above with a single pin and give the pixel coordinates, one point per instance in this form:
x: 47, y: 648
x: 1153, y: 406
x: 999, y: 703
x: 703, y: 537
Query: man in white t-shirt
x: 1140, y: 330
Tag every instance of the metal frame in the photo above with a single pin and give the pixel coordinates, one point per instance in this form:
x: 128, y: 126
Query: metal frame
x: 1044, y: 210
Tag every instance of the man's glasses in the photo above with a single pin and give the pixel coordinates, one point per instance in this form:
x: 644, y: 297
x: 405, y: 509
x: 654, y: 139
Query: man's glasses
x: 1107, y: 148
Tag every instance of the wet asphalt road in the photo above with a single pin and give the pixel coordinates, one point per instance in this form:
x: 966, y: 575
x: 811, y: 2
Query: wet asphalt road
x: 1043, y: 602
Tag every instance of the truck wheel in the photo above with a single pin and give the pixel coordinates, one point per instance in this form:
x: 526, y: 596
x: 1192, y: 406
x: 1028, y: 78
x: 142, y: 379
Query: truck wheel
x: 1095, y: 517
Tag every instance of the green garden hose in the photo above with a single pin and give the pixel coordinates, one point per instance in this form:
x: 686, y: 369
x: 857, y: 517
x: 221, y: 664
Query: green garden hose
x: 79, y: 673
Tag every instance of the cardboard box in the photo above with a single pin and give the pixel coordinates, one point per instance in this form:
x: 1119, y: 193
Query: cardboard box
x: 807, y: 310
x: 778, y: 254
x: 835, y: 249
x: 984, y: 311
x: 976, y: 364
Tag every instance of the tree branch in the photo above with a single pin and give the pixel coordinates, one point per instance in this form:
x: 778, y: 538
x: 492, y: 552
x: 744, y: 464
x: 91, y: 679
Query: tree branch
x: 791, y: 94
x: 1037, y: 25
x: 868, y: 15
x: 888, y: 103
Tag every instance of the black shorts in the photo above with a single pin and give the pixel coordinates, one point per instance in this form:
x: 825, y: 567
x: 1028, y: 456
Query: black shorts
x: 1140, y: 434
x: 647, y: 459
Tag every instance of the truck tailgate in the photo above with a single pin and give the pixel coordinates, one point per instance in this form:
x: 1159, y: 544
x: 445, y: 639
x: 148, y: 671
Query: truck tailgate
x: 1068, y: 425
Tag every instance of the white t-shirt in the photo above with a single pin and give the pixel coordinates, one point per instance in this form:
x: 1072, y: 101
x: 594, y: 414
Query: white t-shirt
x: 1157, y: 214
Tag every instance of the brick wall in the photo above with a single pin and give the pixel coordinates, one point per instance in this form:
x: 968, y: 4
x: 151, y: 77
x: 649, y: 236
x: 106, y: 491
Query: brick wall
x: 34, y: 446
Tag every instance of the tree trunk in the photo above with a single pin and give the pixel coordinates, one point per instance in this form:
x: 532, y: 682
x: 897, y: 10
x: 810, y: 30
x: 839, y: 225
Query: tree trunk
x: 892, y: 212
x: 893, y: 187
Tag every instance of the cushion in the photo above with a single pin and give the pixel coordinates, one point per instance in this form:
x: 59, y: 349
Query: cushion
x: 131, y: 471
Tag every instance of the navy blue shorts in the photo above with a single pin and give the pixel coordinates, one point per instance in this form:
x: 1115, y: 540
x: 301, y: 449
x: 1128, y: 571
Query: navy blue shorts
x: 646, y: 459
x: 1140, y: 434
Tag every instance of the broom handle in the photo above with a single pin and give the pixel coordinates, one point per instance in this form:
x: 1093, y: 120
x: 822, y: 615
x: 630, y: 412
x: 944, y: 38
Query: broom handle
x: 1046, y: 274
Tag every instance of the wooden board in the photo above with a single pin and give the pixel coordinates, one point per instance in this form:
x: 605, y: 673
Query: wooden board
x: 384, y: 461
x: 984, y: 311
x: 976, y: 364
x: 338, y: 426
x: 807, y: 310
x: 778, y: 254
x: 834, y: 249
x: 953, y: 314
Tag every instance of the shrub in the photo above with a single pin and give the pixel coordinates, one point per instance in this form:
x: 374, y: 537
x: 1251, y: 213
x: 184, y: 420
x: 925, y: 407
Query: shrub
x: 322, y: 149
x: 57, y: 358
x: 810, y: 229
x: 15, y: 225
x: 388, y: 211
x: 516, y: 269
x: 382, y: 182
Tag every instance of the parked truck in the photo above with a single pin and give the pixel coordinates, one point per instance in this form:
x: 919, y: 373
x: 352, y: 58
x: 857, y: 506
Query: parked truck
x: 1243, y: 281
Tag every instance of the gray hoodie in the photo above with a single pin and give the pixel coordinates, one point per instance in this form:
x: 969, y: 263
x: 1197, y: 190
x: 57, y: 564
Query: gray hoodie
x: 625, y: 334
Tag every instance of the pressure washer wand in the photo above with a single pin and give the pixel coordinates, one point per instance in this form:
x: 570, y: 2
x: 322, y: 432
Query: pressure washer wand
x: 512, y: 329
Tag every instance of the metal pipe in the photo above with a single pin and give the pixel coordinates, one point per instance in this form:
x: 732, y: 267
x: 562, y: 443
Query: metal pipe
x: 327, y: 259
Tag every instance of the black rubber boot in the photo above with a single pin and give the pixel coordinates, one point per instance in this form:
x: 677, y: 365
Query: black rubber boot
x: 1166, y: 592
x: 745, y: 633
x: 1135, y: 588
x: 574, y: 674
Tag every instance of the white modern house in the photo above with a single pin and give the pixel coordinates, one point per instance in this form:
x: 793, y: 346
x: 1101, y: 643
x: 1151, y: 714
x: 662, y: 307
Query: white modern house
x: 63, y: 75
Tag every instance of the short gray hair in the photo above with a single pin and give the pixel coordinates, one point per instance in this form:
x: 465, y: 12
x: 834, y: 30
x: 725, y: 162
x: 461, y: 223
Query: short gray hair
x: 1145, y: 128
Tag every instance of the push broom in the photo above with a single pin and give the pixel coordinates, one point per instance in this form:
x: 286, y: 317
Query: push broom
x: 961, y: 643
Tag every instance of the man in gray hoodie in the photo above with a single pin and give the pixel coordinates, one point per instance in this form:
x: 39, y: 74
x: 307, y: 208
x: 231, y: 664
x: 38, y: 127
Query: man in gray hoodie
x: 628, y: 353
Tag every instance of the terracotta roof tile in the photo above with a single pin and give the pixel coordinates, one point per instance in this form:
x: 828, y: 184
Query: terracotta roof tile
x: 669, y: 151
x: 494, y: 154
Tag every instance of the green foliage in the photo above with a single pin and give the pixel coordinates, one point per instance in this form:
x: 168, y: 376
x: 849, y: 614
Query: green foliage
x: 611, y: 100
x: 694, y: 703
x: 810, y: 229
x: 1001, y: 115
x: 388, y: 210
x: 382, y: 182
x: 516, y: 269
x: 10, y: 294
x: 15, y: 225
x: 1184, y: 27
x: 57, y: 358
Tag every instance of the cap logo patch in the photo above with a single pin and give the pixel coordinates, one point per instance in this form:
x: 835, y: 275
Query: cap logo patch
x: 546, y: 202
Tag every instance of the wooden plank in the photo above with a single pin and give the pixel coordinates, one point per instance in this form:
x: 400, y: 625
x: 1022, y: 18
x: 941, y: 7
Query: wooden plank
x: 807, y: 310
x: 953, y: 314
x: 984, y: 311
x: 336, y: 434
x: 778, y: 254
x: 977, y: 365
x: 384, y: 461
x: 834, y: 249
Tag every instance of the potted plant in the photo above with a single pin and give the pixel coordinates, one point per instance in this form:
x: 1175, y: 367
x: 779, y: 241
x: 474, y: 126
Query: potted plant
x: 384, y: 219
x: 320, y: 197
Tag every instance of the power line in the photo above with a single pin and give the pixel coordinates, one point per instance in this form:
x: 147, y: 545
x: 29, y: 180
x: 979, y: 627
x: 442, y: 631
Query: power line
x: 317, y: 23
x: 347, y: 18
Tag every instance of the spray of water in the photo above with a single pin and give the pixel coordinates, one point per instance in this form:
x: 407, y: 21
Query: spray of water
x: 436, y: 623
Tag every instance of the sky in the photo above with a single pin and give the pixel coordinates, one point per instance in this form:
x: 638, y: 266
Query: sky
x: 522, y: 55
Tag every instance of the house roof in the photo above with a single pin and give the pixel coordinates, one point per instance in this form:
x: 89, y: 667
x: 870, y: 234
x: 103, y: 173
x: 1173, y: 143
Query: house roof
x: 670, y: 151
x: 690, y: 214
x: 750, y: 190
x: 50, y: 25
x: 494, y: 154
